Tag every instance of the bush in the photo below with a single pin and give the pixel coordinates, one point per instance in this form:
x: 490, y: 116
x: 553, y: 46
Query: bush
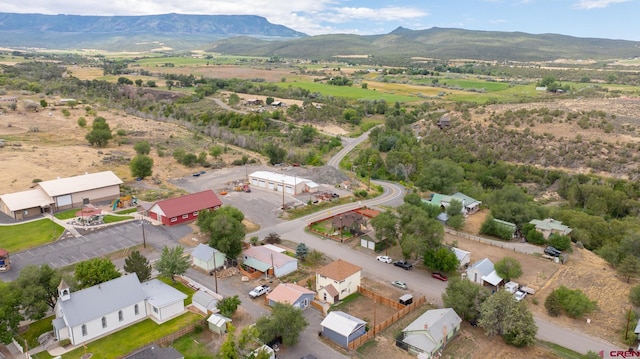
x: 82, y: 122
x: 560, y: 242
x: 572, y: 301
x: 634, y: 296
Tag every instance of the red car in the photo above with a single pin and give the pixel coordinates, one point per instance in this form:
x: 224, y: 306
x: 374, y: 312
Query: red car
x: 439, y: 276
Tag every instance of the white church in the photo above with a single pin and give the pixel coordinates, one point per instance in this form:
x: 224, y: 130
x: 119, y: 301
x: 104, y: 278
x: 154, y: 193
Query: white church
x: 110, y: 306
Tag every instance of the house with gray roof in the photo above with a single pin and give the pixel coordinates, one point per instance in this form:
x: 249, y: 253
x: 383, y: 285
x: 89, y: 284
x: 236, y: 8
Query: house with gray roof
x: 110, y: 306
x: 342, y: 328
x: 206, y: 258
x: 469, y: 205
x: 550, y: 226
x: 483, y: 273
x: 430, y: 333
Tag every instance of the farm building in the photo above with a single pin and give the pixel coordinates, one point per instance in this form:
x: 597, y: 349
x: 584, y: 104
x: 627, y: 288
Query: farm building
x: 275, y: 181
x: 184, y: 209
x: 269, y: 261
x: 61, y: 193
x: 110, y: 306
x: 207, y: 258
x: 290, y: 293
x: 342, y: 328
x: 337, y: 280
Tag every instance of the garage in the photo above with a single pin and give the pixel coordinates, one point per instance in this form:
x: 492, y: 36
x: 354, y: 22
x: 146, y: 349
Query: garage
x: 62, y: 201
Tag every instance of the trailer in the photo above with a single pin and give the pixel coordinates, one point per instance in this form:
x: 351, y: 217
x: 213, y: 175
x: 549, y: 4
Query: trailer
x: 5, y: 263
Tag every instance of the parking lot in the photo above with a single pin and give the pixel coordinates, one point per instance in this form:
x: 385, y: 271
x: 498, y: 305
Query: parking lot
x: 261, y: 206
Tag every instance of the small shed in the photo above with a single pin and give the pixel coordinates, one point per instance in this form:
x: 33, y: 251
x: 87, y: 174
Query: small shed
x: 342, y: 328
x: 218, y: 323
x: 204, y: 302
x: 406, y: 299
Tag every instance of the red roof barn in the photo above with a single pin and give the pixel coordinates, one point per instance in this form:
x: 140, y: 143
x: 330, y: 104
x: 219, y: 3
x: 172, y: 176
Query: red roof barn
x: 183, y: 209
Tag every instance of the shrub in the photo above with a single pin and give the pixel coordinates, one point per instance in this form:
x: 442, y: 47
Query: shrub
x: 552, y: 304
x: 634, y: 296
x: 82, y: 122
x: 560, y: 242
x: 572, y: 301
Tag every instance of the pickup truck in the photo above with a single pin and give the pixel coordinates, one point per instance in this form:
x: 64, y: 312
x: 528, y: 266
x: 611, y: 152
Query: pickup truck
x: 259, y: 290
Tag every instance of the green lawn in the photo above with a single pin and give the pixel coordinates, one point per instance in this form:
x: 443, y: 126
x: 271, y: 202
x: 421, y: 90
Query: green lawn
x: 35, y: 330
x: 136, y: 336
x: 127, y: 211
x: 351, y: 92
x: 191, y: 347
x: 28, y: 235
x: 490, y: 86
x: 113, y: 219
x: 181, y: 287
x: 68, y: 214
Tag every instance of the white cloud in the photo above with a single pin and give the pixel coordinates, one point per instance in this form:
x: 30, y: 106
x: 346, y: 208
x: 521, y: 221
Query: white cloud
x: 596, y: 4
x: 346, y: 14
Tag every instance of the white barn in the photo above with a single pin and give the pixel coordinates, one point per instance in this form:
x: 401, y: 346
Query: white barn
x: 275, y: 181
x: 110, y: 306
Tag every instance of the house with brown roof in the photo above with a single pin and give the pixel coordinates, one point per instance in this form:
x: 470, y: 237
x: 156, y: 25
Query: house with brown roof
x: 337, y: 280
x: 293, y: 294
x: 184, y: 209
x: 269, y: 261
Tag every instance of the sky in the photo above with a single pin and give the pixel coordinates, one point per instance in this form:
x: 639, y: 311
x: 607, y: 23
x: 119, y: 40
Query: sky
x: 610, y: 19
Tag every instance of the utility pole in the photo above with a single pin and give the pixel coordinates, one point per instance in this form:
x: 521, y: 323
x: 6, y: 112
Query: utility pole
x: 369, y: 184
x: 215, y: 269
x: 283, y: 192
x: 144, y: 238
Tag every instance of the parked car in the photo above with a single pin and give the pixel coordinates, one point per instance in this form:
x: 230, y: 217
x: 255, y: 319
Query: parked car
x: 519, y: 295
x: 309, y: 356
x: 259, y: 290
x: 399, y: 284
x: 552, y: 251
x: 385, y: 259
x: 439, y: 276
x: 403, y: 264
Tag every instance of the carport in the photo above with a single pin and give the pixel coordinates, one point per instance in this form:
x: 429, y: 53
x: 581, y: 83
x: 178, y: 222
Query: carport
x: 256, y: 265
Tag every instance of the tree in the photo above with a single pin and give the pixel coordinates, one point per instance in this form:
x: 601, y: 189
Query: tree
x: 634, y: 295
x: 151, y: 83
x: 138, y: 82
x: 440, y: 176
x: 552, y: 304
x: 138, y: 264
x: 43, y: 103
x: 228, y: 349
x: 216, y: 151
x: 124, y: 81
x: 228, y: 305
x: 169, y: 84
x: 172, y: 262
x: 560, y: 242
x: 82, y: 122
x: 385, y: 224
x: 142, y: 147
x: 141, y: 166
x: 100, y: 133
x: 629, y: 267
x: 38, y: 286
x: 301, y: 251
x: 455, y: 208
x: 285, y: 321
x: 275, y: 153
x: 234, y: 99
x: 10, y: 317
x: 273, y: 238
x: 508, y: 268
x: 269, y: 100
x: 573, y: 302
x: 227, y: 234
x: 465, y: 297
x: 456, y: 222
x: 351, y: 116
x: 95, y: 271
x: 441, y: 259
x: 501, y: 314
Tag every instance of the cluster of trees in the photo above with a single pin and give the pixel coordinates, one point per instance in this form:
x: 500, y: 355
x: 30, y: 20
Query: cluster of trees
x: 100, y: 133
x: 225, y: 229
x: 498, y: 313
x: 141, y: 165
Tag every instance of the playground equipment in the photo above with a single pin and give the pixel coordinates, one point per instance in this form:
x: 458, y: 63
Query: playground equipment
x: 122, y: 202
x: 5, y: 264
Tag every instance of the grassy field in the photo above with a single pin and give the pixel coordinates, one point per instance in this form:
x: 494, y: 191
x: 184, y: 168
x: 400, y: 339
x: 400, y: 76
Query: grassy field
x: 35, y: 330
x: 136, y: 336
x: 350, y: 92
x: 196, y: 62
x: 20, y: 237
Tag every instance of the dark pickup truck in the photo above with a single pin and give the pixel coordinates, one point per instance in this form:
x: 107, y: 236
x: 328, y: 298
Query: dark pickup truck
x: 403, y: 264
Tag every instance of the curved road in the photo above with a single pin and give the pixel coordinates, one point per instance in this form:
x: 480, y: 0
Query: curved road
x: 417, y: 281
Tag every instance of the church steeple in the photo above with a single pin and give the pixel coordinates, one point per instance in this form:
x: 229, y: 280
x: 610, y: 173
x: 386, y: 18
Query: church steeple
x: 64, y: 292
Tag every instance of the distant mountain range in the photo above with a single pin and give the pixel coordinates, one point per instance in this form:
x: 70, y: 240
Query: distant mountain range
x: 130, y: 32
x: 438, y: 43
x: 255, y: 36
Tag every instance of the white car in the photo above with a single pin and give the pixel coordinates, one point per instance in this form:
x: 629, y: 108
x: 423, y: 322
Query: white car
x: 399, y: 284
x: 385, y: 259
x: 519, y: 295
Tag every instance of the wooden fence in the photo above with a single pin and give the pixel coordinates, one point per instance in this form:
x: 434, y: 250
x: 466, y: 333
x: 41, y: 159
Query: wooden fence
x: 380, y: 299
x: 355, y: 344
x: 251, y: 276
x: 495, y: 243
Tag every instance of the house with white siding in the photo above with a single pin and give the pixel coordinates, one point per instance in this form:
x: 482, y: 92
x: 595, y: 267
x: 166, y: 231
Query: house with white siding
x: 337, y: 280
x: 113, y: 305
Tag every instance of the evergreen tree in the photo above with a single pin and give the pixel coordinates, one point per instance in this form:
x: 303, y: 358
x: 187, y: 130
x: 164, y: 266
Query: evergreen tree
x: 138, y: 264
